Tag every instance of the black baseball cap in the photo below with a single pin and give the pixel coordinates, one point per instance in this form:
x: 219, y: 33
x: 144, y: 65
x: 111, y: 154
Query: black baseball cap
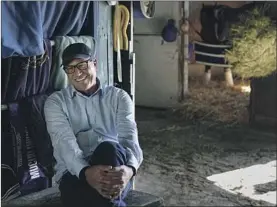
x: 76, y: 50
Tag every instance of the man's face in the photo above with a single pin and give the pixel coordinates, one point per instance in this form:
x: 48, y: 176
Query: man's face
x: 81, y: 74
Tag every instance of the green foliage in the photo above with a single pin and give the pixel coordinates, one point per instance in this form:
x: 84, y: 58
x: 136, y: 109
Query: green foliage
x: 254, y: 46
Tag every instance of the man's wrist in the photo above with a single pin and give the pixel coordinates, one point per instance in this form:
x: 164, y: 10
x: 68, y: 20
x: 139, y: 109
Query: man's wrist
x: 132, y: 169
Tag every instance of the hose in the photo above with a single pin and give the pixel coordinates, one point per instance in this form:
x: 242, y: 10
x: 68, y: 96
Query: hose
x: 120, y: 38
x: 120, y: 25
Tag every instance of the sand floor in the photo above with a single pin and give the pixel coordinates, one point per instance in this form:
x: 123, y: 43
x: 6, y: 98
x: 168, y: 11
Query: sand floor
x: 179, y: 157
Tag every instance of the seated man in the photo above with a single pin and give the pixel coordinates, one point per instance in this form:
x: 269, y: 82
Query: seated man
x: 94, y: 135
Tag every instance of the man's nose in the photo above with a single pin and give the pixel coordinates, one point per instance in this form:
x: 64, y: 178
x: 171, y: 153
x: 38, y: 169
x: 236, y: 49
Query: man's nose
x: 77, y: 72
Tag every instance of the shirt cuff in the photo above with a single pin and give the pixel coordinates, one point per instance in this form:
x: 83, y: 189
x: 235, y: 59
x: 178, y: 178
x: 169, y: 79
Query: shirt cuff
x: 134, y: 170
x: 78, y: 166
x: 132, y: 162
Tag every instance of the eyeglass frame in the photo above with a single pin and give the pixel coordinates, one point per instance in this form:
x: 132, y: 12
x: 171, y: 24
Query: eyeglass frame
x: 76, y: 66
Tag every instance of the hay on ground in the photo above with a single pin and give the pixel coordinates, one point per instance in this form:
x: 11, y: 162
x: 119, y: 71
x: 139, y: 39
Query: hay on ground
x: 215, y: 102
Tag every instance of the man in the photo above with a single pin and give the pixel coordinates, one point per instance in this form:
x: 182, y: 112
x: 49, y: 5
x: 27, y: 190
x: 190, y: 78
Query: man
x: 93, y: 133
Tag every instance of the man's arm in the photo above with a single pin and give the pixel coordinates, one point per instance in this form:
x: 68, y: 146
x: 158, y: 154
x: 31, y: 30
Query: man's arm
x: 62, y: 137
x: 127, y: 130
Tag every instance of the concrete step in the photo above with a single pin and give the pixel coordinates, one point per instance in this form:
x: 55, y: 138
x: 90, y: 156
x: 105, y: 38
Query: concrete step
x: 51, y: 198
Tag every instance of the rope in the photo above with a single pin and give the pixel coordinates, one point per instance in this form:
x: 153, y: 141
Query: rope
x: 120, y: 37
x: 121, y: 21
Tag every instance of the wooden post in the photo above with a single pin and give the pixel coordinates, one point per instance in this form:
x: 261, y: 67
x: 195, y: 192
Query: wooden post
x: 184, y: 51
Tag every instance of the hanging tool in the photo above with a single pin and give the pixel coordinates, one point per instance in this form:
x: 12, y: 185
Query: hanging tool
x: 120, y: 37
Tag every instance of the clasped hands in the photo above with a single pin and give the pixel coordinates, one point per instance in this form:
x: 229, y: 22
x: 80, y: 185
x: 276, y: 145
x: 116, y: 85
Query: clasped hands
x: 107, y: 180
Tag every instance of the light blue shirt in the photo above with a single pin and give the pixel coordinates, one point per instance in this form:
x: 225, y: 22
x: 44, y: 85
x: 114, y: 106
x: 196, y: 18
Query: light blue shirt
x: 77, y: 124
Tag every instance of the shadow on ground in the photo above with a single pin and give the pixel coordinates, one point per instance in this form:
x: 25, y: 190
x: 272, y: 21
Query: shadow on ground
x: 179, y: 156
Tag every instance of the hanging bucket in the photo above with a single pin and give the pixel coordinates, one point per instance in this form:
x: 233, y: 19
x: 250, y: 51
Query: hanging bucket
x: 170, y: 31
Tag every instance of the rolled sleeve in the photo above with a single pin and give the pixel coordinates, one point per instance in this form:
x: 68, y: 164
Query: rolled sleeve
x: 63, y: 139
x: 127, y: 130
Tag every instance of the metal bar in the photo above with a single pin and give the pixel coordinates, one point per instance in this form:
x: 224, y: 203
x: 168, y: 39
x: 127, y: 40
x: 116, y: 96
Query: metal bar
x: 211, y: 45
x: 132, y: 56
x: 213, y: 64
x: 209, y: 54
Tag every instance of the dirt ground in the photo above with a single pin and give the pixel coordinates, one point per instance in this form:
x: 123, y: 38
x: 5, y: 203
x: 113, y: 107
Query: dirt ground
x: 179, y: 156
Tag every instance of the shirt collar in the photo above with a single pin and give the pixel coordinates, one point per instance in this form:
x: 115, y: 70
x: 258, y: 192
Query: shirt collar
x: 99, y: 90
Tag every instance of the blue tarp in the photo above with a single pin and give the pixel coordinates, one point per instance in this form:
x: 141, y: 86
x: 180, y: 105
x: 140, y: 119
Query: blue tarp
x: 26, y: 23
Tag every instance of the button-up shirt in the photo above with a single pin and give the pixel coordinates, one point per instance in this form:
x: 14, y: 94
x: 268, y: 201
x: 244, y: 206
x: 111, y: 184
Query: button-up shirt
x: 77, y: 124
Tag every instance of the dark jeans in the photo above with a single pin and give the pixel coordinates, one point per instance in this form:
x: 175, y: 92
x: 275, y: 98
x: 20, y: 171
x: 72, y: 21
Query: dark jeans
x: 76, y: 193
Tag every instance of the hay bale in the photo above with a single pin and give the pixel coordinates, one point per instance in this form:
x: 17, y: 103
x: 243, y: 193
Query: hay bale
x: 254, y: 46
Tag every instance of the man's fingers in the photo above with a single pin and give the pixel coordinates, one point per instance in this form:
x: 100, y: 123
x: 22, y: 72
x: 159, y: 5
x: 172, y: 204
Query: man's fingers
x: 105, y: 182
x: 105, y: 187
x: 104, y: 177
x: 118, y: 168
x: 112, y: 188
x: 116, y: 187
x: 115, y: 192
x: 115, y: 174
x: 103, y: 192
x: 105, y: 195
x: 117, y: 180
x: 110, y: 194
x: 111, y: 191
x: 105, y: 168
x: 111, y: 179
x: 103, y: 173
x: 116, y: 195
x: 111, y: 183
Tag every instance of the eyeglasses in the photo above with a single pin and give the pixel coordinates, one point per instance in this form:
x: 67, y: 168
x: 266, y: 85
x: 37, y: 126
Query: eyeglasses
x: 80, y: 66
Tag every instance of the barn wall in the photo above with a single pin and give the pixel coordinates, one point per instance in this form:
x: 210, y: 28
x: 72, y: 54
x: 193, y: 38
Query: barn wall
x: 157, y: 64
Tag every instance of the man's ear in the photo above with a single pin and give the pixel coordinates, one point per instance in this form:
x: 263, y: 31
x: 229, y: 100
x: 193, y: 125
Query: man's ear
x: 94, y: 62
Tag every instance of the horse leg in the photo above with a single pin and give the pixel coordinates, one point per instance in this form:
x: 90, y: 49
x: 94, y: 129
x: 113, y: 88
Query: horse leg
x: 207, y: 74
x: 228, y: 77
